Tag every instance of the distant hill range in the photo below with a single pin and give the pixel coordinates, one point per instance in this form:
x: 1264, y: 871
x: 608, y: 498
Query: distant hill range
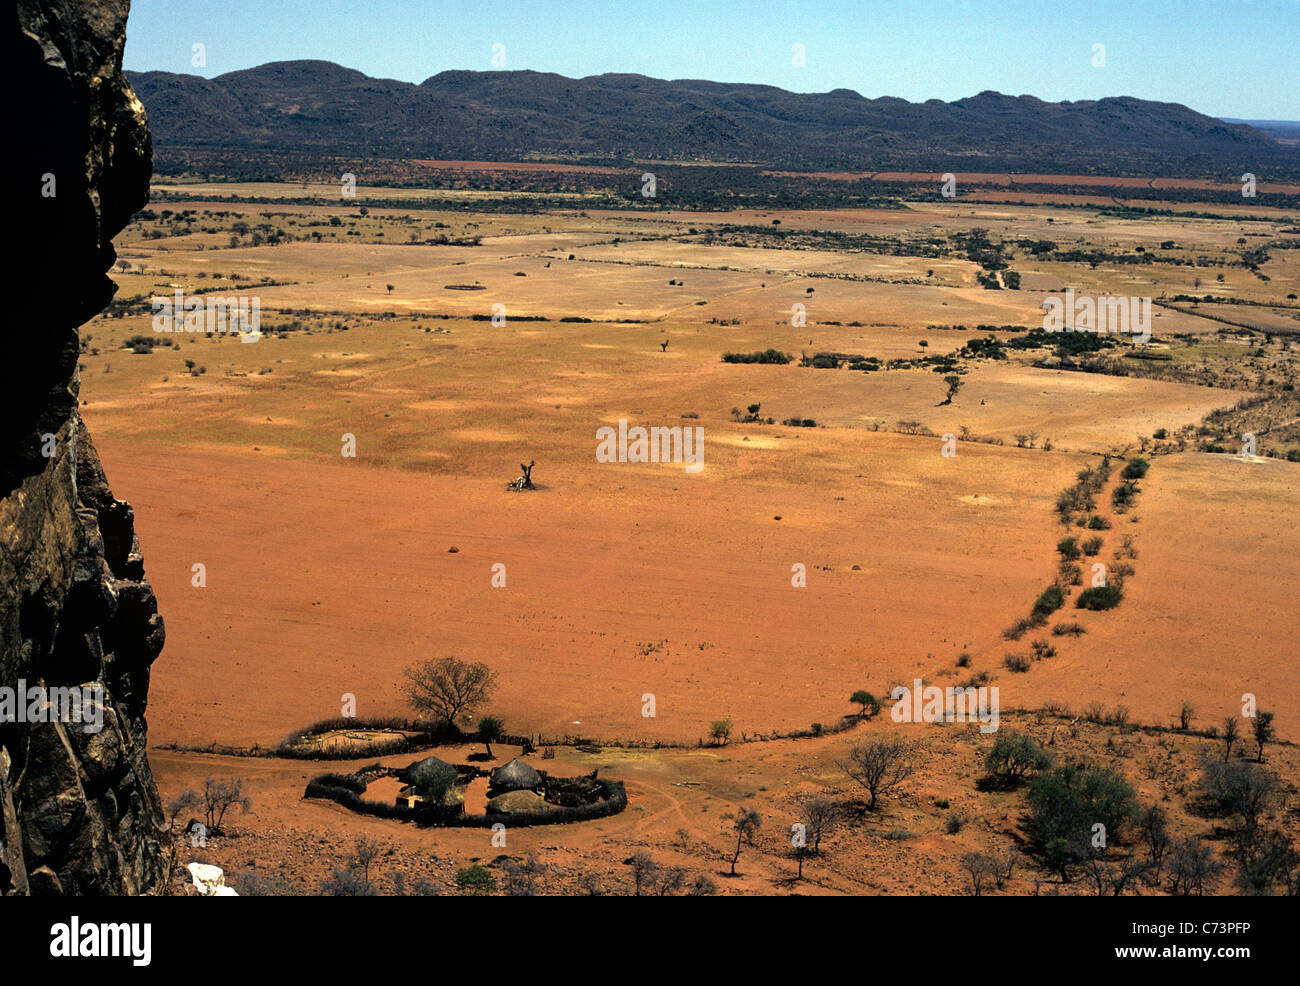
x: 318, y: 106
x: 1283, y: 131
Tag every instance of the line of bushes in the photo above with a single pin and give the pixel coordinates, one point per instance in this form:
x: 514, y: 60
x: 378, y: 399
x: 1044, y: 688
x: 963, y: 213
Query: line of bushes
x: 760, y: 356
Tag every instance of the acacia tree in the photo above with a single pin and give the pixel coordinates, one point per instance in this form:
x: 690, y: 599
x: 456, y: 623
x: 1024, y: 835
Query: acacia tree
x: 449, y: 687
x: 879, y: 765
x: 490, y: 729
x: 1262, y: 726
x: 864, y: 700
x: 720, y: 731
x: 1013, y: 757
x: 954, y: 384
x: 745, y: 822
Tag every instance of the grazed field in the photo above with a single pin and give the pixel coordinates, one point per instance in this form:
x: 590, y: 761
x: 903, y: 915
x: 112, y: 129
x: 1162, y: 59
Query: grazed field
x: 328, y: 575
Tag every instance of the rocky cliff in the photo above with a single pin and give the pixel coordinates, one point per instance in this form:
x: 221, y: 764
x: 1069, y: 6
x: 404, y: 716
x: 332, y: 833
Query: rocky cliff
x: 79, y: 812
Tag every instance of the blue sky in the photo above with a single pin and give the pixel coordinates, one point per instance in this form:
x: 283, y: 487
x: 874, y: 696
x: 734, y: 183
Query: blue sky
x: 1236, y: 58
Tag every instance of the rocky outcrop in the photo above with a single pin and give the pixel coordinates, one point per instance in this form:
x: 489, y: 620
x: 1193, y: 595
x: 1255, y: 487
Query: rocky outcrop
x: 79, y: 812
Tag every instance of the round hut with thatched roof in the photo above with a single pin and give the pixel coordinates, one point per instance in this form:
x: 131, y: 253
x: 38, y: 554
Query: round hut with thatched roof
x: 514, y: 776
x: 431, y: 781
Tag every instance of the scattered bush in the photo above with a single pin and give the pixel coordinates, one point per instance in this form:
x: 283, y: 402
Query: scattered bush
x: 762, y: 356
x: 1068, y: 573
x: 1014, y: 757
x: 1064, y: 805
x: 1240, y: 789
x: 1099, y: 597
x: 1019, y: 663
x: 1018, y: 629
x: 1051, y: 599
x: 1042, y: 650
x: 475, y: 880
x: 1135, y: 469
x: 1068, y: 629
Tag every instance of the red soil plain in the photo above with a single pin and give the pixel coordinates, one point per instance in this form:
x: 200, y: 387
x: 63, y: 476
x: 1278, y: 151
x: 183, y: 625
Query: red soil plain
x: 326, y: 576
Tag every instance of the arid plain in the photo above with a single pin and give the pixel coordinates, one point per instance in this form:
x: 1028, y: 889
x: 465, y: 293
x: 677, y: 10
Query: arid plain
x: 327, y: 575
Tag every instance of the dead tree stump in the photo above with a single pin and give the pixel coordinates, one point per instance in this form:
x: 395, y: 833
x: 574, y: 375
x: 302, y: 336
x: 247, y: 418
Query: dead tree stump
x: 524, y: 482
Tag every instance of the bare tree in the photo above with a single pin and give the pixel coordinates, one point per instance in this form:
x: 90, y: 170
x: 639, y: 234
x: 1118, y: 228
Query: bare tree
x: 879, y: 765
x: 1192, y: 868
x: 801, y: 852
x: 1153, y: 827
x: 346, y: 882
x: 364, y: 853
x: 1267, y: 858
x: 1007, y: 866
x: 1129, y: 872
x: 981, y: 869
x: 744, y: 823
x: 421, y: 886
x: 219, y: 797
x: 703, y: 886
x: 521, y: 876
x: 182, y: 802
x: 821, y: 815
x: 1230, y: 730
x: 1114, y: 878
x: 449, y: 687
x: 643, y: 867
x: 666, y: 880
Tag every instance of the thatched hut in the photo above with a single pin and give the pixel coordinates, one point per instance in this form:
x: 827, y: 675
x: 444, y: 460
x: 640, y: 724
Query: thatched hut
x: 514, y: 776
x: 431, y: 780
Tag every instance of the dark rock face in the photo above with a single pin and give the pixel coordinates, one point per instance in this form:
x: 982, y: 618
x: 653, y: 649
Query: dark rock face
x: 79, y: 812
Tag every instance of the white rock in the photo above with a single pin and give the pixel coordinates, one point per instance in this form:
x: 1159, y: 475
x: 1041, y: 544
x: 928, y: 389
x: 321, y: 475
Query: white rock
x: 210, y: 881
